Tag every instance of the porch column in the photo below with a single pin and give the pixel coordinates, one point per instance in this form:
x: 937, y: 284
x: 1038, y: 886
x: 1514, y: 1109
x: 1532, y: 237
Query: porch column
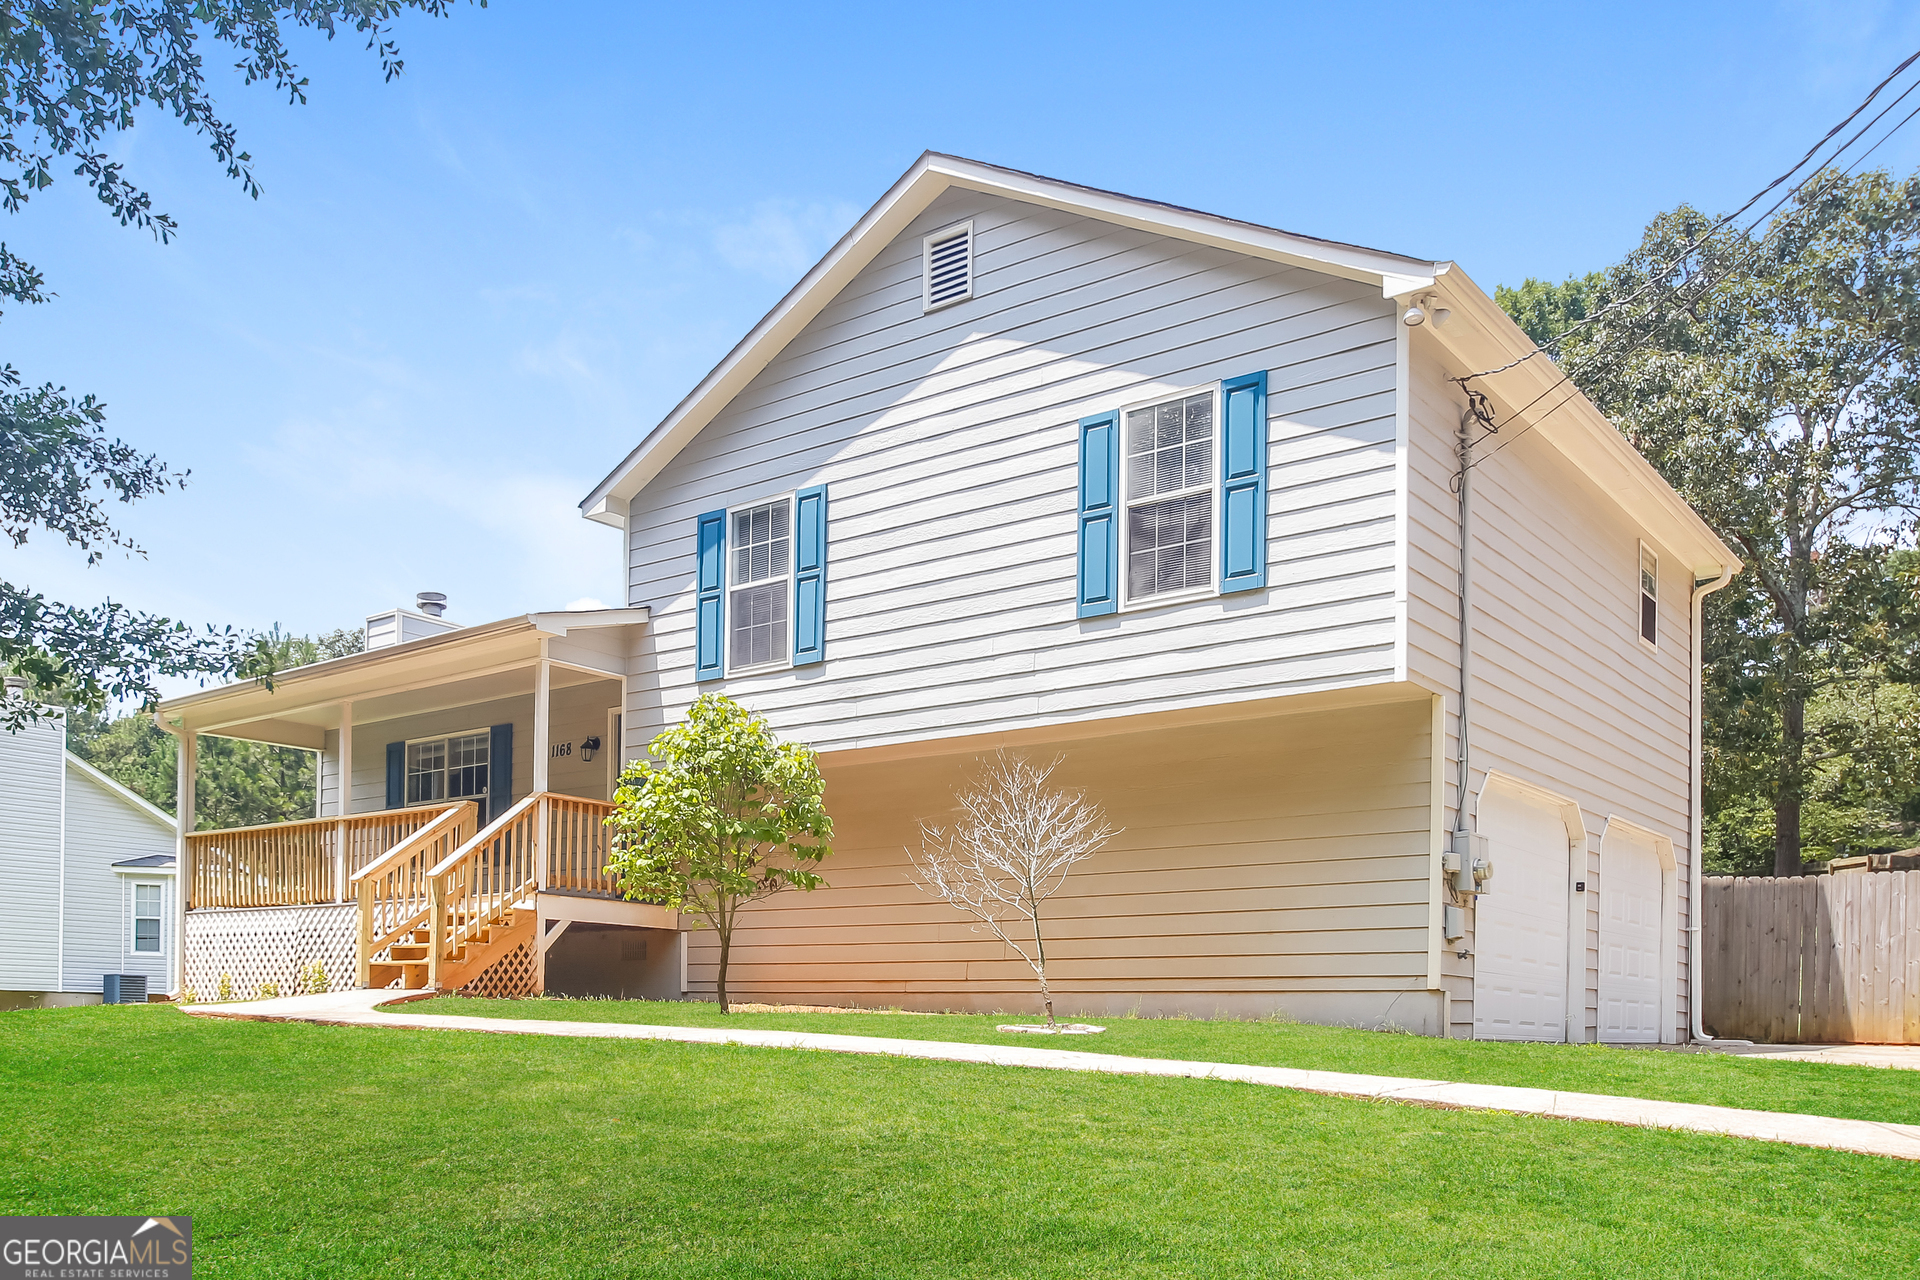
x: 186, y: 771
x: 542, y: 722
x: 542, y: 731
x: 343, y: 789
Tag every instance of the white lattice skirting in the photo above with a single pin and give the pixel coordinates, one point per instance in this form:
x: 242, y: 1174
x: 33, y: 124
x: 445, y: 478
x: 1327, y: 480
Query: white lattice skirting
x: 256, y: 946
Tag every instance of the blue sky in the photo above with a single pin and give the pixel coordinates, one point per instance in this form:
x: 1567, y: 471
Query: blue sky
x: 467, y: 293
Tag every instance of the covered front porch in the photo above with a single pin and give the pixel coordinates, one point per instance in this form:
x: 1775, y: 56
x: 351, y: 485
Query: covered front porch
x: 462, y: 784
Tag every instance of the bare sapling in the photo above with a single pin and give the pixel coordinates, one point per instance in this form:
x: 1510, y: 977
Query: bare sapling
x: 1015, y: 839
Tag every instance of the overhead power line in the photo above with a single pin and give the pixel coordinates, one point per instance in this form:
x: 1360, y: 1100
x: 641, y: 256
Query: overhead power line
x: 1701, y: 239
x: 1707, y: 281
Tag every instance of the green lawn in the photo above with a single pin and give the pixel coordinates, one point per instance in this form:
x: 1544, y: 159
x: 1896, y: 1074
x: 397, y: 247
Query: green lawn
x: 1861, y: 1093
x: 339, y: 1151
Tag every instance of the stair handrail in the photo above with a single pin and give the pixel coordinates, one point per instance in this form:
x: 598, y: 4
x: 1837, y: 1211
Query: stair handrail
x: 456, y: 908
x: 465, y: 808
x: 403, y: 872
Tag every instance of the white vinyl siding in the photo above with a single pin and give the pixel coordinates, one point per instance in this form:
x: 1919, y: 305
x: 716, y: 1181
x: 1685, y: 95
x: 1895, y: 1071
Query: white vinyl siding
x: 104, y: 827
x: 31, y: 763
x: 949, y: 445
x: 1274, y: 865
x: 1566, y: 695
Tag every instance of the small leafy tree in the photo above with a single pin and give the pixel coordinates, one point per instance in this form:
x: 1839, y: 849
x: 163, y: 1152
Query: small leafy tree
x: 720, y: 816
x: 1016, y: 839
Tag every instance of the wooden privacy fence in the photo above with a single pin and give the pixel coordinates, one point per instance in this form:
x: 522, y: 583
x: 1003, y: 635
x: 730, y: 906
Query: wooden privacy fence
x: 291, y: 864
x: 1813, y: 959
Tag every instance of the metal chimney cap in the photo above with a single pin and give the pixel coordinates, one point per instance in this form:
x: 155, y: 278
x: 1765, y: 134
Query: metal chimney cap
x: 432, y: 603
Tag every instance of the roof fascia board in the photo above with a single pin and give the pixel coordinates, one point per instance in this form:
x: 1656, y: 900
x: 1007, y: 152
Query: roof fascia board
x: 906, y: 200
x: 174, y: 708
x: 1482, y: 336
x: 559, y: 623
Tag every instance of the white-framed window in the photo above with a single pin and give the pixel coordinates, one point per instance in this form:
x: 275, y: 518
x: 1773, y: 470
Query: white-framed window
x: 1649, y: 596
x: 946, y: 267
x: 451, y: 768
x: 146, y: 919
x: 760, y: 585
x: 1169, y: 451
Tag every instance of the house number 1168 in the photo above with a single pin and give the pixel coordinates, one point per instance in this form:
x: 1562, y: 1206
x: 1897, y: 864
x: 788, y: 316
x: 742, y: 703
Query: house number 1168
x: 562, y: 749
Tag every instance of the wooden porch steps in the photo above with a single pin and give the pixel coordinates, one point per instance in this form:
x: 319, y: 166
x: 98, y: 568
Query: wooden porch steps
x: 408, y: 960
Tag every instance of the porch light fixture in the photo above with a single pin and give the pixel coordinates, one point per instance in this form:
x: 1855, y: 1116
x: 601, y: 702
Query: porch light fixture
x: 1425, y: 307
x: 588, y: 747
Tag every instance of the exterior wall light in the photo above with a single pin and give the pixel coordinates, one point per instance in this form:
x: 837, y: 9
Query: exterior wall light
x: 588, y: 747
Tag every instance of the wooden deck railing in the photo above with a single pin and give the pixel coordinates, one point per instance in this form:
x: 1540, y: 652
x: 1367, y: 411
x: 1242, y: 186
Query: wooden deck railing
x: 393, y: 890
x: 286, y: 864
x: 578, y: 846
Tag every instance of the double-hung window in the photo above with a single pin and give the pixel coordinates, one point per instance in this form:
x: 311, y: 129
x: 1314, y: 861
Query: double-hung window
x: 1649, y: 595
x: 451, y: 768
x: 760, y: 592
x: 146, y: 919
x: 1171, y: 490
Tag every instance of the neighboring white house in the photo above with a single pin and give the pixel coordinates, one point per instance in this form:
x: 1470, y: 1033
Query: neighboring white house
x: 89, y: 872
x: 1025, y: 464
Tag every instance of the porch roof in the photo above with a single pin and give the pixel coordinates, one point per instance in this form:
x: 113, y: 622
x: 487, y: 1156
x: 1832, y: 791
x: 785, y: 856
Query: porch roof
x: 471, y: 665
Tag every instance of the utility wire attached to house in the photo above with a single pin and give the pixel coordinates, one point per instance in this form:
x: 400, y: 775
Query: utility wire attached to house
x: 1705, y: 280
x: 1701, y: 240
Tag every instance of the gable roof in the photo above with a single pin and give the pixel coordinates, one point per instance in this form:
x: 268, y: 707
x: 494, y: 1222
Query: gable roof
x: 1486, y: 339
x: 931, y: 175
x: 121, y: 793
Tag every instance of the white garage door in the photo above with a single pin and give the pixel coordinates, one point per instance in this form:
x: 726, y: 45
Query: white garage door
x: 1629, y: 940
x: 1520, y: 934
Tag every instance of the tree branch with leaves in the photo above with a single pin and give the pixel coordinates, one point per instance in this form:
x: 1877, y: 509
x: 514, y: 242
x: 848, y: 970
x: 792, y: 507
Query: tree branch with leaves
x: 73, y: 73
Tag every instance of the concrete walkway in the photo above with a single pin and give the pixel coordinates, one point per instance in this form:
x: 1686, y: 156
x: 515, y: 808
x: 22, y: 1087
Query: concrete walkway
x: 1901, y: 1141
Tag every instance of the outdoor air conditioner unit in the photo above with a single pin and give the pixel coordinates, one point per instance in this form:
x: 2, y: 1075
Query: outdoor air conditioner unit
x: 123, y: 988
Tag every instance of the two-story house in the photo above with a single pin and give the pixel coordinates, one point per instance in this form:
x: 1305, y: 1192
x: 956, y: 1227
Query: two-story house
x: 1180, y: 499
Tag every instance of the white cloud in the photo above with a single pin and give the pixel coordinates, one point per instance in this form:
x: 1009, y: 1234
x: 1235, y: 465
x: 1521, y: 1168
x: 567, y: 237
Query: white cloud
x: 782, y: 238
x: 584, y: 602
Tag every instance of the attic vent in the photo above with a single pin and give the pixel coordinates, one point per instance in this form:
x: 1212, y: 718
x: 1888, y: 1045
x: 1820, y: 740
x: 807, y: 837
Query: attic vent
x: 948, y: 258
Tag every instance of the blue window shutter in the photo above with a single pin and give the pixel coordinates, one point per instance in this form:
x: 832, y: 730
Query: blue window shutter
x: 810, y: 575
x: 1243, y: 483
x: 396, y: 777
x: 1099, y: 577
x: 709, y: 622
x: 499, y: 771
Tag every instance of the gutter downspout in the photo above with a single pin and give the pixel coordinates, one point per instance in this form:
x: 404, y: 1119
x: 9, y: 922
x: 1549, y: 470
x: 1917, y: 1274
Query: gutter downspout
x: 1702, y: 588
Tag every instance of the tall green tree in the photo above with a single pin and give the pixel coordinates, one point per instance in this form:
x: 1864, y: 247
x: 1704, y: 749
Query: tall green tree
x: 1771, y: 377
x: 236, y: 783
x: 73, y: 73
x: 719, y: 815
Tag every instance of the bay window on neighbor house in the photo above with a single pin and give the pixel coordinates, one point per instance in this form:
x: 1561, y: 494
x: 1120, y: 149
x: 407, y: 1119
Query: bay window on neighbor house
x: 1192, y: 498
x: 146, y: 919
